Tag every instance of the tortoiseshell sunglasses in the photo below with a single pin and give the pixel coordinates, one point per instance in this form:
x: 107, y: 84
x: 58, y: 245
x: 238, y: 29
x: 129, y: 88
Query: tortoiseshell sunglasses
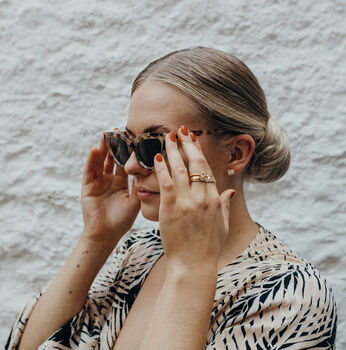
x: 120, y: 145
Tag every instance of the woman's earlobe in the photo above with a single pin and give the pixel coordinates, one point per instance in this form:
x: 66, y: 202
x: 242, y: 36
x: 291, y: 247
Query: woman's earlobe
x: 231, y: 171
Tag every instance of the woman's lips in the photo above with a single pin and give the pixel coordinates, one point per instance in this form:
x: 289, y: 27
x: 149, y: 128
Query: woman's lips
x: 145, y: 195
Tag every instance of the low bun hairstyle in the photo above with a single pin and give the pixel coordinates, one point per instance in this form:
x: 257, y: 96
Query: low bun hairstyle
x: 271, y: 158
x: 229, y: 97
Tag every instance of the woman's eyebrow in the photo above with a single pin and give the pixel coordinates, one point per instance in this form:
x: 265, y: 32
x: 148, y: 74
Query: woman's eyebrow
x: 151, y: 129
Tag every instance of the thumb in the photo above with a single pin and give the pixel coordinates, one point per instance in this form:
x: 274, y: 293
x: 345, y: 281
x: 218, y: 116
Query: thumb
x: 226, y: 196
x: 225, y: 199
x: 231, y: 195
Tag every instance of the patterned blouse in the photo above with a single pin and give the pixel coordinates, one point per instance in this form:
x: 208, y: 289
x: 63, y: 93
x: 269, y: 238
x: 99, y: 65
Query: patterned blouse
x: 267, y: 298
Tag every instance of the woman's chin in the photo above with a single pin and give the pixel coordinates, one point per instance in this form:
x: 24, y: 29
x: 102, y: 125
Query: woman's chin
x: 150, y: 211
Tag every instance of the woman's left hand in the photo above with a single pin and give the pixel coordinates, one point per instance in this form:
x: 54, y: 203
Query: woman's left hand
x: 193, y: 217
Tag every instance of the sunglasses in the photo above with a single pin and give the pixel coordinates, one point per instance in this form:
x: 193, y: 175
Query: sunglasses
x: 120, y: 145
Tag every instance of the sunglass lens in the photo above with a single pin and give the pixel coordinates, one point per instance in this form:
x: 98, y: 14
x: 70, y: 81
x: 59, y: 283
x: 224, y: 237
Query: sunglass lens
x: 147, y: 150
x: 120, y: 150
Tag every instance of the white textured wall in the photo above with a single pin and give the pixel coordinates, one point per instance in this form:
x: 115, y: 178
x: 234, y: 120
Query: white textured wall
x: 66, y: 68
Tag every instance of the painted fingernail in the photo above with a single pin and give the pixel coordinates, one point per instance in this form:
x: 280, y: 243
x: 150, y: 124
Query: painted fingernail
x: 159, y: 157
x: 232, y: 195
x: 173, y: 136
x: 184, y: 130
x: 193, y: 136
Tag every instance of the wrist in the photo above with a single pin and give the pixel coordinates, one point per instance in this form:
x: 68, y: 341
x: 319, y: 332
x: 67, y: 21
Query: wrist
x: 183, y: 274
x: 98, y: 251
x: 101, y: 240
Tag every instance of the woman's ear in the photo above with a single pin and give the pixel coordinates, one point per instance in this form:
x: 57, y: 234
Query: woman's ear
x: 242, y: 146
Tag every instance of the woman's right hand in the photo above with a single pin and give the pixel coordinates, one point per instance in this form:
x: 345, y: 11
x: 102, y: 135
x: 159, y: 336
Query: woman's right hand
x: 109, y: 210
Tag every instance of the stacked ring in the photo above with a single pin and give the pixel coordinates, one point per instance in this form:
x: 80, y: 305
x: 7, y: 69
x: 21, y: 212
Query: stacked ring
x: 202, y: 177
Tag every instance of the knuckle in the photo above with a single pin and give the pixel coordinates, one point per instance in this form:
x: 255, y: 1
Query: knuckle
x: 185, y: 208
x: 218, y: 203
x: 204, y: 205
x: 200, y: 160
x: 201, y: 202
x: 181, y: 171
x: 167, y: 186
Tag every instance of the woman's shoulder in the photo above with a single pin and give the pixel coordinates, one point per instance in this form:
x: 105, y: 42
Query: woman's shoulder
x: 286, y: 276
x: 271, y: 286
x: 270, y: 265
x: 287, y: 262
x: 269, y: 250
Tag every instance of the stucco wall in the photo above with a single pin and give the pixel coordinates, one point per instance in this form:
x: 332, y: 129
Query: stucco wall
x: 66, y: 68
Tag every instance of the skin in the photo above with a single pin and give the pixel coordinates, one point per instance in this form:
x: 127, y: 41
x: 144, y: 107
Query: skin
x: 156, y: 103
x: 200, y: 229
x: 110, y: 209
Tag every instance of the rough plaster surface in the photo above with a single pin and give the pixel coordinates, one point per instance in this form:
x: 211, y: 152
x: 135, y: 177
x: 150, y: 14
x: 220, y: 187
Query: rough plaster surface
x: 65, y: 74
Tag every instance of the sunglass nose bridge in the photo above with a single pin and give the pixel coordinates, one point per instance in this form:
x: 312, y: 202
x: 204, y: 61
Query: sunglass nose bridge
x: 132, y: 145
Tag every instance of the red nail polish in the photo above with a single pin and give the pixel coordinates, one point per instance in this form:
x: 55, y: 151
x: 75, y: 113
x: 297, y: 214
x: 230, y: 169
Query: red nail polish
x: 173, y: 136
x: 232, y: 195
x: 193, y: 136
x: 184, y: 130
x: 159, y: 157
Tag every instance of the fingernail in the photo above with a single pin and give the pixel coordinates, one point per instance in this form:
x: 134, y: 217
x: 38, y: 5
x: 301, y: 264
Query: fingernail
x: 159, y: 157
x: 193, y: 136
x: 184, y: 130
x: 232, y: 195
x: 173, y: 136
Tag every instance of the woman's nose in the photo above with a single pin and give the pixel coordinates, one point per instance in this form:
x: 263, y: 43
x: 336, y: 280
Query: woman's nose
x: 132, y: 166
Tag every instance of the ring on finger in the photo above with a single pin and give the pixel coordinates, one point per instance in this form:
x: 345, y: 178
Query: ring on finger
x: 202, y: 177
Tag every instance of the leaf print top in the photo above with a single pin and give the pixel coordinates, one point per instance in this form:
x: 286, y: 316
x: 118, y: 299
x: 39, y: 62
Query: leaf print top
x: 266, y: 298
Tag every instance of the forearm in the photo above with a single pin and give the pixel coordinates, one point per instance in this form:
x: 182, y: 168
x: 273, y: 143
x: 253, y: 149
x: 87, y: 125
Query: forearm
x: 182, y: 313
x: 66, y: 294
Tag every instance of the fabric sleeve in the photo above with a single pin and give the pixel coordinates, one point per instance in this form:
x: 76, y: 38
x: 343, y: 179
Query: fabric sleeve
x: 93, y: 313
x: 292, y: 310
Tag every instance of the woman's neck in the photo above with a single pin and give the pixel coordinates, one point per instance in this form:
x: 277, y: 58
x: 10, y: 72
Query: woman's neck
x: 242, y: 231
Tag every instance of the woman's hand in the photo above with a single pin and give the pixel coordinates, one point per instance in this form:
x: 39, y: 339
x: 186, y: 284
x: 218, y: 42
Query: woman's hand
x: 109, y: 211
x: 193, y: 217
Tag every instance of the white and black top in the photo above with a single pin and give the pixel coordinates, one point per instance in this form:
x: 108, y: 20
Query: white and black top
x: 267, y: 298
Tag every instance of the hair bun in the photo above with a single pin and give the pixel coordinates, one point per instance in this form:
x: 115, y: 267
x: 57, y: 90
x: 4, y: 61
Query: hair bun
x: 271, y: 158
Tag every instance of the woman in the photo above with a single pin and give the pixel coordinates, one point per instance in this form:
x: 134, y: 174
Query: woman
x: 209, y: 277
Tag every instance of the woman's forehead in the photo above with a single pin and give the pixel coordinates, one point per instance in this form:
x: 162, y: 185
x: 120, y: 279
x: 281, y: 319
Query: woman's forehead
x: 156, y: 99
x: 155, y: 103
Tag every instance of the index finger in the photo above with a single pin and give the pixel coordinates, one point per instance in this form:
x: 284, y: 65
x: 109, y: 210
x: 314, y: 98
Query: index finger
x: 196, y: 159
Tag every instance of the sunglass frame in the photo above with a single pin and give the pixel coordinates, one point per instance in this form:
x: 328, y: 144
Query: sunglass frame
x: 132, y: 143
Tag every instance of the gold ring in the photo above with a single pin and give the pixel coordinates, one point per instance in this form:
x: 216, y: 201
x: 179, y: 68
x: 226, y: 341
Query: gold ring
x: 202, y: 177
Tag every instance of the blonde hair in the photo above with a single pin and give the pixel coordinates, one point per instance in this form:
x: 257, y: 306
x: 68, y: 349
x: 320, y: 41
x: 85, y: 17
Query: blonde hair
x: 229, y: 97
